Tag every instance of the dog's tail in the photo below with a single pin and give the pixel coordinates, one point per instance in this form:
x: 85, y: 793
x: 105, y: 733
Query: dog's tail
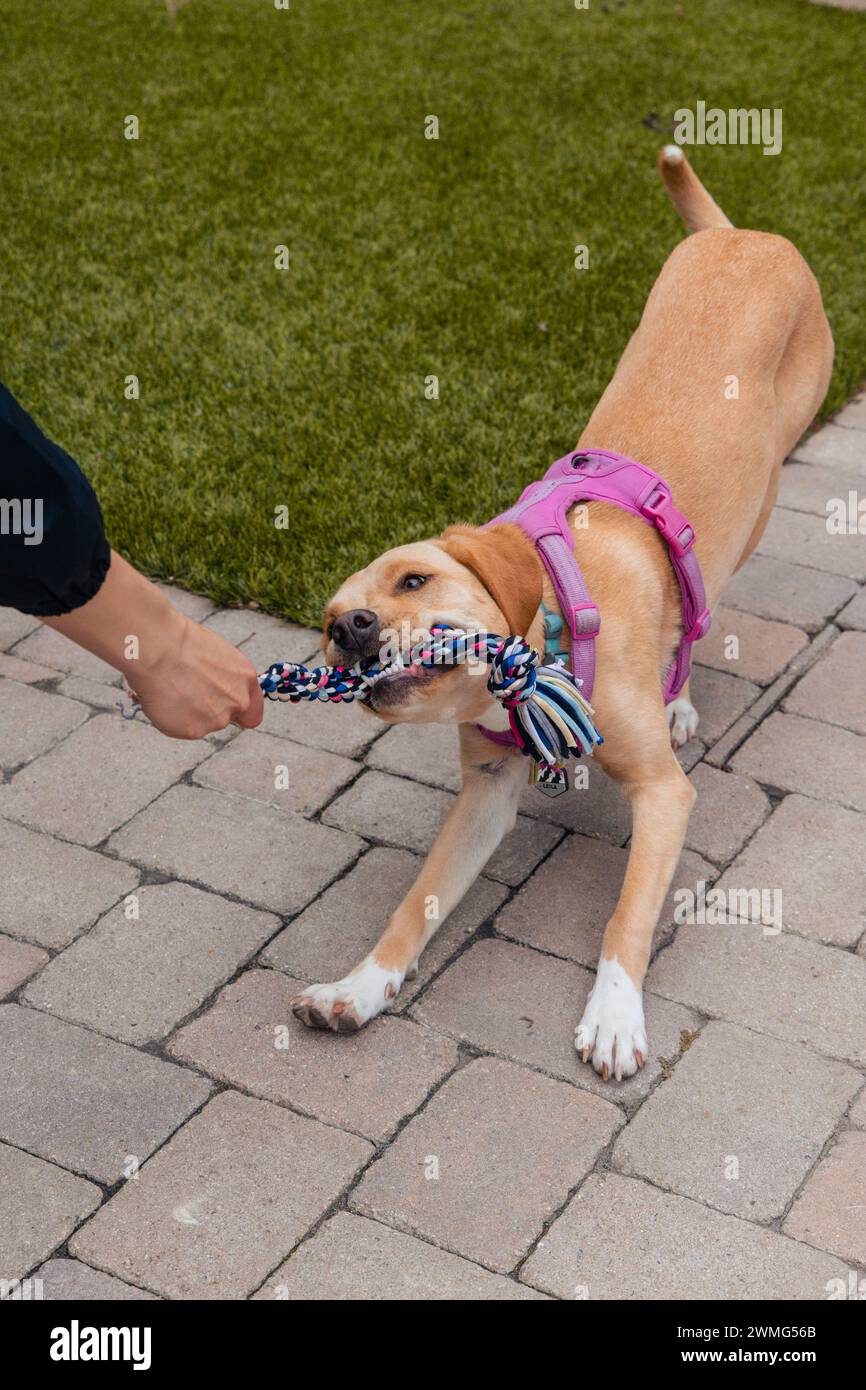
x: 687, y: 193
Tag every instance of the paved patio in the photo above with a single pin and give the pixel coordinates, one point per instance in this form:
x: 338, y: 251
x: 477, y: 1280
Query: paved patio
x: 169, y: 1130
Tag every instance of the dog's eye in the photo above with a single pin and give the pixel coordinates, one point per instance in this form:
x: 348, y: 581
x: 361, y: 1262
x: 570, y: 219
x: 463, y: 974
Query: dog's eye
x: 413, y: 581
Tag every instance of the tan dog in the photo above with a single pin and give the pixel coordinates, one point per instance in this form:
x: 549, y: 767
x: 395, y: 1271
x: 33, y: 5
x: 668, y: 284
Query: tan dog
x: 727, y: 303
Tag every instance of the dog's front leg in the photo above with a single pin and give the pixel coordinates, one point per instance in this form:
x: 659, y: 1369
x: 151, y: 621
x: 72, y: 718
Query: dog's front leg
x: 485, y: 810
x: 612, y: 1031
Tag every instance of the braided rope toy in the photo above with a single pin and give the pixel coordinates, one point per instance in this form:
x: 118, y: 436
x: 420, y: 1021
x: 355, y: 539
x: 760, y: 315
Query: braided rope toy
x: 549, y: 718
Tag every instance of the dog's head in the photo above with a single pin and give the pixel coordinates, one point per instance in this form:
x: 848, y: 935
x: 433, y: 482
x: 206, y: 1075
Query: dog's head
x: 482, y: 580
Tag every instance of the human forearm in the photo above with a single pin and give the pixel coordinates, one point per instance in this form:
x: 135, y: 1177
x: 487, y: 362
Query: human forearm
x: 129, y: 622
x: 188, y: 680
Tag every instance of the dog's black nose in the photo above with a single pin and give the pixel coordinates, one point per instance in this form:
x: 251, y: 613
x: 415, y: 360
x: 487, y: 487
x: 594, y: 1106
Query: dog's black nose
x: 356, y: 633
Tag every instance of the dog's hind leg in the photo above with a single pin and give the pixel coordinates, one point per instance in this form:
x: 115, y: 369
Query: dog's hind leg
x: 764, y: 515
x: 800, y: 386
x: 485, y: 810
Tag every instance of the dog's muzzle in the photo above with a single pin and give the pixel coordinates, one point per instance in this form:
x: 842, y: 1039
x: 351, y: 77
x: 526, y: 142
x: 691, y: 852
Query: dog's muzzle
x: 356, y: 635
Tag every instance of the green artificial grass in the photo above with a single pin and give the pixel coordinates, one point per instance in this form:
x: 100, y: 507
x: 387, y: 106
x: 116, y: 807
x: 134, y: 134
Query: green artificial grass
x: 410, y: 257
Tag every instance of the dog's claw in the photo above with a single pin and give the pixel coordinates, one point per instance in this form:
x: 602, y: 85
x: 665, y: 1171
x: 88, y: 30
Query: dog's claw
x: 346, y: 1005
x: 304, y: 1009
x: 342, y: 1019
x: 611, y: 1032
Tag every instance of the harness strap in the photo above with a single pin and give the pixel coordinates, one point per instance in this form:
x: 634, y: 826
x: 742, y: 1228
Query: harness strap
x: 576, y: 606
x: 599, y: 475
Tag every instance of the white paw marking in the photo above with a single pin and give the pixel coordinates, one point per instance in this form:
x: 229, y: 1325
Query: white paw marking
x: 612, y: 1030
x: 682, y: 721
x: 348, y: 1004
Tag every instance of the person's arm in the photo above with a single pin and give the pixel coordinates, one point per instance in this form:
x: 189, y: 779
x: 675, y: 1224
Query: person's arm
x: 53, y: 551
x: 55, y: 563
x: 188, y: 680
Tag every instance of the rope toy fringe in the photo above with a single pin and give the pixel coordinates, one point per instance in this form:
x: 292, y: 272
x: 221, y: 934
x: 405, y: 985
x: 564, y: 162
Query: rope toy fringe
x: 549, y: 718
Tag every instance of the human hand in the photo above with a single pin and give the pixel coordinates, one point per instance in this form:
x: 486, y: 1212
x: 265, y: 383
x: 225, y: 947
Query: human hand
x: 198, y: 684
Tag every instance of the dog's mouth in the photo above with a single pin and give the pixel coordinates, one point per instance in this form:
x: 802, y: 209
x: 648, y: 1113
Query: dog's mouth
x: 412, y: 670
x: 402, y: 682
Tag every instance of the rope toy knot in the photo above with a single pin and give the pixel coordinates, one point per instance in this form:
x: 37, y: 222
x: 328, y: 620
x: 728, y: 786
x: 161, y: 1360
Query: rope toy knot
x: 514, y: 672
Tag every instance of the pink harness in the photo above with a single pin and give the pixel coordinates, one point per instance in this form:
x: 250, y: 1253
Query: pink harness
x: 542, y: 512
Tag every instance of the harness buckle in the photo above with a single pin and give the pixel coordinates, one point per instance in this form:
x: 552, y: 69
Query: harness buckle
x: 659, y: 508
x: 701, y: 627
x: 585, y: 621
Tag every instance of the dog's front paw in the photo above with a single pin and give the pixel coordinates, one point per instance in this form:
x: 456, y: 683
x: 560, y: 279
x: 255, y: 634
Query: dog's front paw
x: 348, y: 1004
x: 612, y: 1031
x: 682, y: 721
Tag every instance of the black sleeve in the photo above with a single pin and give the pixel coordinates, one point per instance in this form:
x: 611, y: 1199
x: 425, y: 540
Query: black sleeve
x: 53, y: 551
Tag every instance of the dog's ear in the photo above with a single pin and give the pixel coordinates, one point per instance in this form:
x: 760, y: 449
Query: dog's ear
x: 505, y: 560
